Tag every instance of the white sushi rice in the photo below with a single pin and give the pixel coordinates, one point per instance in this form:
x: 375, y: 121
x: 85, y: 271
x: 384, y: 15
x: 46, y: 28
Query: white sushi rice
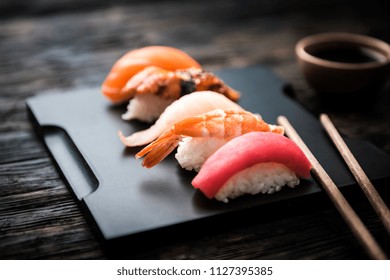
x: 192, y: 152
x: 146, y: 107
x: 265, y: 178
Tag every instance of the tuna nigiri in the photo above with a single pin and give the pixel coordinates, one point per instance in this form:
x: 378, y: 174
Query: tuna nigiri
x: 190, y: 105
x: 252, y: 163
x: 198, y: 137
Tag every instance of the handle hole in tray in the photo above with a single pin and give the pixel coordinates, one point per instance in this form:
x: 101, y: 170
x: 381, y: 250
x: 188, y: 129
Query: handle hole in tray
x: 70, y: 161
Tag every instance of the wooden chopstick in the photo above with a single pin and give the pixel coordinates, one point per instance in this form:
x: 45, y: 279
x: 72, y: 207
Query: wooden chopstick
x: 351, y: 218
x: 369, y: 190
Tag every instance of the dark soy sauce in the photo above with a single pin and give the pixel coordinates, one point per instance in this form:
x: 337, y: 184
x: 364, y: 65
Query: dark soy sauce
x: 349, y: 55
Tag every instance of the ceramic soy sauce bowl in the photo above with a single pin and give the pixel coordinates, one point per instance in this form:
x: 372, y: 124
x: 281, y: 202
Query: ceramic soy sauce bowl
x: 344, y: 62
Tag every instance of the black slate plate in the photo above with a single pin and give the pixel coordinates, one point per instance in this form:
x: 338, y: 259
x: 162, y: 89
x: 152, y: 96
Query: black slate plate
x: 80, y: 130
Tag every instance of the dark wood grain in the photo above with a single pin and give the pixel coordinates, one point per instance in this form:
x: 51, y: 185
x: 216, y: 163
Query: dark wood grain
x: 46, y: 47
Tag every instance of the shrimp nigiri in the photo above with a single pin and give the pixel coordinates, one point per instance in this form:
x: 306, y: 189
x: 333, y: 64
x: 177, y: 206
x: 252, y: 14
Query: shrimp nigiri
x: 198, y: 137
x: 253, y: 163
x: 192, y: 104
x: 136, y: 60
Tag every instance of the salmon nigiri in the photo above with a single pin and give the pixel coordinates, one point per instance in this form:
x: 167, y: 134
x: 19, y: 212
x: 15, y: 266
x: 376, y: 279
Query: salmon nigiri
x: 256, y: 162
x: 136, y: 60
x: 153, y: 77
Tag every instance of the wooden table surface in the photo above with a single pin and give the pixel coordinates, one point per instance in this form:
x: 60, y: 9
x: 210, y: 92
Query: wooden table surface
x: 46, y: 47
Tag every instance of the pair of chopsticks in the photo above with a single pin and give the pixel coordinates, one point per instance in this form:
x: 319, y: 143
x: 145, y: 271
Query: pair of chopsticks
x: 342, y: 205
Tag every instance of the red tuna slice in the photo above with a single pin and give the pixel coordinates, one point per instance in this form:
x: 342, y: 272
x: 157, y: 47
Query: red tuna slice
x: 245, y: 151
